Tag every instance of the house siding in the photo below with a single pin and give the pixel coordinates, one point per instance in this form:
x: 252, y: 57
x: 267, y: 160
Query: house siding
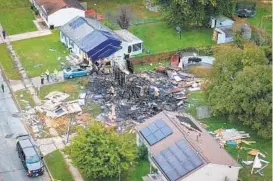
x: 62, y: 16
x: 214, y: 172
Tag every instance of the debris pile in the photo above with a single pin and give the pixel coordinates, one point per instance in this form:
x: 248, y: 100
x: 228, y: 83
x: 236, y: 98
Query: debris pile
x: 54, y: 105
x: 139, y: 96
x: 230, y: 136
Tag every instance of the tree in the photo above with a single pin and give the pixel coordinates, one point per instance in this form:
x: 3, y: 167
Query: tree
x: 124, y: 16
x: 240, y: 87
x: 194, y: 13
x: 100, y: 152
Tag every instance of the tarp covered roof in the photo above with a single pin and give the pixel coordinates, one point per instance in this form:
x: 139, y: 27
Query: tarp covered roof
x: 92, y: 37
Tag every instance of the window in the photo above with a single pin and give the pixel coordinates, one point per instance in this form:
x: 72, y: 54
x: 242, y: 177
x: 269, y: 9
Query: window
x: 32, y: 159
x: 129, y: 49
x: 136, y: 47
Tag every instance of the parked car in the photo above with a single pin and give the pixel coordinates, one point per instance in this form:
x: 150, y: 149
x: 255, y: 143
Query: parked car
x: 30, y: 156
x: 245, y: 9
x: 72, y: 72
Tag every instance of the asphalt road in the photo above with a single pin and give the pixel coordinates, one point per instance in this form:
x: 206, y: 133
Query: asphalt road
x: 11, y: 168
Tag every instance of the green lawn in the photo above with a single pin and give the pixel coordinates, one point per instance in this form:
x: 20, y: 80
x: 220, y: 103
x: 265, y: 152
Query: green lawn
x: 19, y: 20
x: 213, y: 123
x: 24, y: 98
x: 261, y: 11
x: 13, y: 4
x: 16, y: 16
x: 39, y: 54
x: 159, y: 37
x: 7, y: 64
x: 58, y: 167
x: 139, y: 67
x: 71, y: 87
x: 137, y: 6
x: 141, y: 169
x: 136, y: 174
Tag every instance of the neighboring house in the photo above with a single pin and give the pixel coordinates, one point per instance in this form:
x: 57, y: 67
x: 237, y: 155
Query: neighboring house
x: 89, y: 39
x: 181, y: 150
x: 222, y: 29
x: 56, y: 13
x: 223, y: 34
x: 220, y: 21
x: 131, y: 44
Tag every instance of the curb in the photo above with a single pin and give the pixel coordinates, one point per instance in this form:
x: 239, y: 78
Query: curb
x: 19, y: 110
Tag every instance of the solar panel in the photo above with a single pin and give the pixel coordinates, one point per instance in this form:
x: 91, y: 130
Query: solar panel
x: 75, y: 24
x: 156, y: 131
x: 175, y: 162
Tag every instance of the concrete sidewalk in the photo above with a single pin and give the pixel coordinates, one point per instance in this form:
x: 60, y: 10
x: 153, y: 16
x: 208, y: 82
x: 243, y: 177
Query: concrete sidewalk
x: 36, y: 82
x: 27, y: 35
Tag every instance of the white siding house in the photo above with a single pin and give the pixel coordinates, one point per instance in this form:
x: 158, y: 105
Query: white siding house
x: 56, y: 13
x: 131, y: 44
x: 220, y: 21
x: 61, y: 17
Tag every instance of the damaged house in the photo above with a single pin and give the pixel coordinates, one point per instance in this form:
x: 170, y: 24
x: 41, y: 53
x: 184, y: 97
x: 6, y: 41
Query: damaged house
x: 181, y: 150
x: 89, y: 39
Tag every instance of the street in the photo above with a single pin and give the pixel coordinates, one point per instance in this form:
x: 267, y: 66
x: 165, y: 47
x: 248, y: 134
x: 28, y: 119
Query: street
x: 11, y: 168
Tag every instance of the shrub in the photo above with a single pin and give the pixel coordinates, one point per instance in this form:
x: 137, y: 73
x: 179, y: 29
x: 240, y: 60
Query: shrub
x: 142, y: 152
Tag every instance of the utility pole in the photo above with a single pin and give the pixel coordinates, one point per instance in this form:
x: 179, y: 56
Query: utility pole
x: 68, y: 128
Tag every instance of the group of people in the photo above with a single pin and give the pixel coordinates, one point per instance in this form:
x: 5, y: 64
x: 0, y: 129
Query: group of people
x: 47, y: 74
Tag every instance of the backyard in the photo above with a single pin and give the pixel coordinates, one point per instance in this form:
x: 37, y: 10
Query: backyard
x: 16, y: 16
x: 159, y: 37
x: 40, y: 54
x: 260, y: 20
x: 7, y: 64
x: 109, y: 7
x: 265, y: 146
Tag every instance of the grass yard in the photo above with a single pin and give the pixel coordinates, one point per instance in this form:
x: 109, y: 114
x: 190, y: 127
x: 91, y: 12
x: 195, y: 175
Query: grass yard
x: 16, y: 16
x: 7, y: 64
x: 58, y: 167
x: 39, y: 54
x: 141, y: 169
x: 139, y: 67
x: 265, y: 146
x: 159, y: 37
x: 71, y: 87
x: 263, y: 10
x: 24, y: 98
x: 137, y: 6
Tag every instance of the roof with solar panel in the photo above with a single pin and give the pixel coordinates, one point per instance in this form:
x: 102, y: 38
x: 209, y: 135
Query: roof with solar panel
x: 179, y: 145
x: 92, y: 37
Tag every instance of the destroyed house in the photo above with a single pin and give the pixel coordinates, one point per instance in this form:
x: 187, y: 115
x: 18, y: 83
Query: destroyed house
x: 89, y: 39
x: 181, y: 150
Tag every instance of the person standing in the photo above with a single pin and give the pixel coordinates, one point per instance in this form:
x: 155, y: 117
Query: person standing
x: 42, y: 79
x: 56, y: 75
x: 3, y: 88
x: 4, y: 34
x: 47, y: 75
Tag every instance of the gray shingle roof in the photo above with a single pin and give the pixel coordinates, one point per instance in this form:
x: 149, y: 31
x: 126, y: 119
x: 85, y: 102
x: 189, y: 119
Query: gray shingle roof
x: 79, y: 28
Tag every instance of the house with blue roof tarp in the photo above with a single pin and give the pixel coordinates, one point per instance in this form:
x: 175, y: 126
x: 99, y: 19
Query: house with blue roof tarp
x: 89, y: 39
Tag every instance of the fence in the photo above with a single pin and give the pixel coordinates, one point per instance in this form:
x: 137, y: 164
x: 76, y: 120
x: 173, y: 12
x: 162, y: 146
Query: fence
x: 135, y: 22
x: 165, y: 56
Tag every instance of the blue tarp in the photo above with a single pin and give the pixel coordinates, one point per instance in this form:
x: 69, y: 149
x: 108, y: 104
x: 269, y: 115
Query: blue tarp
x: 100, y: 44
x: 97, y: 40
